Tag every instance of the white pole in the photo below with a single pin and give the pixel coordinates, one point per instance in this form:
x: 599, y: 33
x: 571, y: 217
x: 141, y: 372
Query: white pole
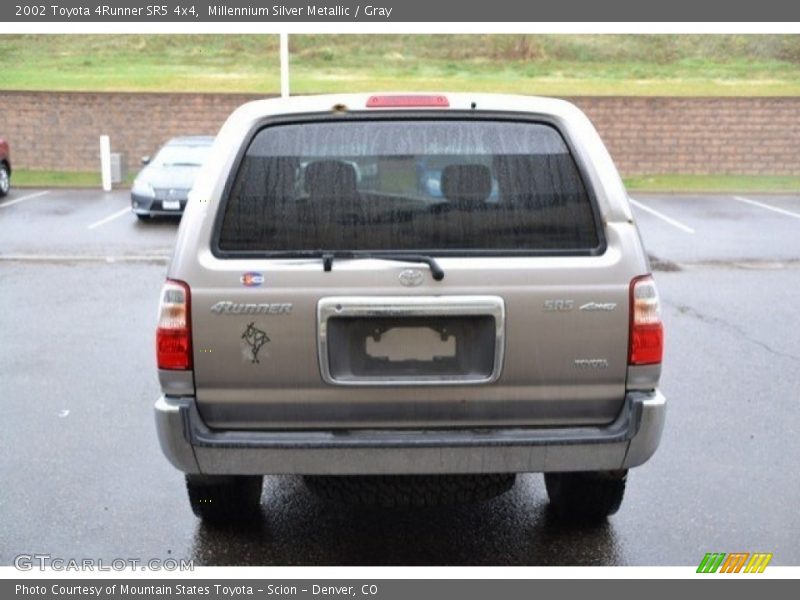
x: 284, y: 65
x: 105, y: 162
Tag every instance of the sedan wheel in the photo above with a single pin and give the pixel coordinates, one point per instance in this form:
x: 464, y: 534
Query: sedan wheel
x: 5, y: 181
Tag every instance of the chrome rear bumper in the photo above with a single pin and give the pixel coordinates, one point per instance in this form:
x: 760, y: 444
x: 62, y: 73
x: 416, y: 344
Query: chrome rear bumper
x: 194, y: 448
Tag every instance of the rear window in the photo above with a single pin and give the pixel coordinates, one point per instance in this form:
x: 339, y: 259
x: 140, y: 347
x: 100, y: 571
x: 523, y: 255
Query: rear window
x: 408, y: 185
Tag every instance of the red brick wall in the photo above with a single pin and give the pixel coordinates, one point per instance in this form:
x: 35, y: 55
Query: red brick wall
x: 60, y: 130
x: 749, y: 136
x: 645, y: 135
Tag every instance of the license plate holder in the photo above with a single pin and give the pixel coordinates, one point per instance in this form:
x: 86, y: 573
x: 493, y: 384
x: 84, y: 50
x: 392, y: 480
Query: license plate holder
x: 171, y: 204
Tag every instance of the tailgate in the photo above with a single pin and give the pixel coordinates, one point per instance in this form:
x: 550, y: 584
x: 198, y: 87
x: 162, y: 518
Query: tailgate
x: 349, y: 351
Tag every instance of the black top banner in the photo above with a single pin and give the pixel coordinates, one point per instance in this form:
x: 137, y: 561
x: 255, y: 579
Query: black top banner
x: 464, y: 11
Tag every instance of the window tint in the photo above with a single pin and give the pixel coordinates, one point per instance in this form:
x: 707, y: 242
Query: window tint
x: 447, y: 185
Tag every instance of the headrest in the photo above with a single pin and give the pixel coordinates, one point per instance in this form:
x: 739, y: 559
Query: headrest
x: 463, y: 184
x: 279, y: 176
x: 330, y: 178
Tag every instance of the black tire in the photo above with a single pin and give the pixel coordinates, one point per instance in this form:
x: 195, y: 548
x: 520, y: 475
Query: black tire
x: 225, y: 499
x: 5, y: 180
x: 586, y: 497
x: 405, y: 491
x: 142, y: 217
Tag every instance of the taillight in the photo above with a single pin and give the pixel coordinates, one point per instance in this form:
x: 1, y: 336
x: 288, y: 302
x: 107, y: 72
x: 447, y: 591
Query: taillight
x: 646, y: 346
x: 174, y: 332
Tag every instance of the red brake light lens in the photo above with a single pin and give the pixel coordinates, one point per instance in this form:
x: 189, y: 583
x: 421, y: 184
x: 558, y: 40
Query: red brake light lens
x: 174, y: 335
x: 408, y: 101
x: 646, y: 345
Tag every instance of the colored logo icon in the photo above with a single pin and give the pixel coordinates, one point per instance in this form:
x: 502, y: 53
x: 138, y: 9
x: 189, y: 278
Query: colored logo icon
x: 737, y: 562
x: 252, y: 279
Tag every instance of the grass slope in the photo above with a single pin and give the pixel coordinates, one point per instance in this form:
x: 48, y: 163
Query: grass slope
x: 693, y: 65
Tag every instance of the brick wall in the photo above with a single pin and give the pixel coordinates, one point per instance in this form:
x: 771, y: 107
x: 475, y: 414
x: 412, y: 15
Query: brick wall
x: 645, y: 135
x: 749, y: 136
x: 60, y: 130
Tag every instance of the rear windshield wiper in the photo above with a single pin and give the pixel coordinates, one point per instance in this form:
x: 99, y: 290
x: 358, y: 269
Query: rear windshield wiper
x: 436, y: 271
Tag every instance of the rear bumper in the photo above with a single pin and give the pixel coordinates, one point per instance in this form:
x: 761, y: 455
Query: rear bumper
x: 194, y: 448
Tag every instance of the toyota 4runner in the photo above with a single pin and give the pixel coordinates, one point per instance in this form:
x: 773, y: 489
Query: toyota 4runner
x: 405, y: 290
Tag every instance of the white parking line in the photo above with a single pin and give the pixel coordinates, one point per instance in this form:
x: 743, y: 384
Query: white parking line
x: 22, y: 198
x: 781, y: 211
x: 663, y: 217
x: 109, y: 218
x: 143, y: 258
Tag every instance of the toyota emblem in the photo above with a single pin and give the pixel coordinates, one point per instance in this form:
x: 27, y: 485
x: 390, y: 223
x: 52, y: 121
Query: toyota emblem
x: 411, y: 277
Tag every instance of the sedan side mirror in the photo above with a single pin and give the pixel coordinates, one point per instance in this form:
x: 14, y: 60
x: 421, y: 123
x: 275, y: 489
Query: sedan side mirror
x: 145, y: 160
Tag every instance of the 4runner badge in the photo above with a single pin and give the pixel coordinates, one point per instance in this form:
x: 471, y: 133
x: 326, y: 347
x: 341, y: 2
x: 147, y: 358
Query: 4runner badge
x: 255, y: 339
x: 227, y: 307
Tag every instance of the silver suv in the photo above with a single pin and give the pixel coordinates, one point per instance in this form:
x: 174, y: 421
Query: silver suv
x: 409, y: 299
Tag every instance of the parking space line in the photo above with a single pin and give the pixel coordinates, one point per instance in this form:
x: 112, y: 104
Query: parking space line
x: 781, y: 211
x: 662, y: 216
x: 23, y: 198
x: 57, y: 258
x: 109, y: 218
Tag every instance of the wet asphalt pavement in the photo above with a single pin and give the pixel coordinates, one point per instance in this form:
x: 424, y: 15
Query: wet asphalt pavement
x: 83, y: 476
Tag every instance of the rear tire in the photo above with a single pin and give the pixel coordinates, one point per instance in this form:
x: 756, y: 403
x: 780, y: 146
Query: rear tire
x: 225, y: 499
x: 5, y: 180
x: 586, y: 497
x: 405, y: 491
